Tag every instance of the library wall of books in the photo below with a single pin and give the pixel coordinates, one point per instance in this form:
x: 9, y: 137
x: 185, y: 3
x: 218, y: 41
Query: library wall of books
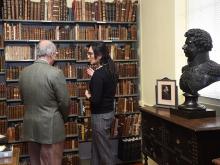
x: 24, y: 22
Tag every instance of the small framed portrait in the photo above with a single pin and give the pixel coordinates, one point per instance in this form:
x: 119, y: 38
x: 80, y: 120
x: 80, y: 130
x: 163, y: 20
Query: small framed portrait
x: 166, y: 93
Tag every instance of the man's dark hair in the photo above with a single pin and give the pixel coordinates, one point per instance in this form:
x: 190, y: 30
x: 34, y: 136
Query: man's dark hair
x: 200, y: 38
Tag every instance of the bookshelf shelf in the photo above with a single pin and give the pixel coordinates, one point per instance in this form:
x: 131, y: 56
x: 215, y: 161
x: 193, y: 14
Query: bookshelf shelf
x: 65, y: 22
x: 72, y: 136
x: 71, y: 150
x: 71, y: 79
x: 3, y: 117
x: 1, y: 73
x: 24, y: 156
x: 15, y: 120
x: 83, y: 141
x: 11, y: 81
x: 127, y: 113
x: 82, y: 61
x: 2, y: 99
x: 123, y: 137
x: 124, y: 78
x: 72, y: 116
x: 132, y: 95
x: 13, y: 100
x: 69, y: 41
x: 81, y: 98
x: 124, y: 60
x: 80, y: 80
x: 65, y: 60
x: 84, y: 117
x: 18, y: 61
x: 73, y: 97
x: 14, y: 142
x: 2, y: 49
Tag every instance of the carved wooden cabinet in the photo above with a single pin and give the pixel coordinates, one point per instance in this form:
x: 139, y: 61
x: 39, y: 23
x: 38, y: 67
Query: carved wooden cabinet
x: 173, y: 140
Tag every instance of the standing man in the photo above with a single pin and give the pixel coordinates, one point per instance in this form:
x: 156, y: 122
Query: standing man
x: 45, y: 96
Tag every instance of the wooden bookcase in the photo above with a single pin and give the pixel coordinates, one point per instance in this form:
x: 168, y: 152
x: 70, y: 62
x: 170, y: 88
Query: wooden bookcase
x: 25, y: 23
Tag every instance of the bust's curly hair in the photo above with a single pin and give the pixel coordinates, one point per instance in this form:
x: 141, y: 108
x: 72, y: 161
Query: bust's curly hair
x: 201, y: 39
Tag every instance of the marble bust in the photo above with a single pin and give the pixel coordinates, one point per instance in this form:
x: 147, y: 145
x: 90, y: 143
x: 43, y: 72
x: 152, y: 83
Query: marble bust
x: 200, y: 71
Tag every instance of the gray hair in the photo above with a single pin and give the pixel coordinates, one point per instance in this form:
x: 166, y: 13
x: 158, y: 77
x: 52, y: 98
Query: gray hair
x: 45, y: 48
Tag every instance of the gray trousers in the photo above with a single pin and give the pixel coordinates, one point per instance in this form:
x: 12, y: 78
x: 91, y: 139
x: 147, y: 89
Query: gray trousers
x: 101, y: 147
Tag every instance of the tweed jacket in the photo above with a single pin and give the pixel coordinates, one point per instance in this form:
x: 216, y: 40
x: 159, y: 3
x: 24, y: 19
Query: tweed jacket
x: 46, y: 99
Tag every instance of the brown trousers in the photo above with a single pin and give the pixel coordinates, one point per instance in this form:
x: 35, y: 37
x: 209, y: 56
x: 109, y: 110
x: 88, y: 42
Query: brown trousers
x: 46, y: 154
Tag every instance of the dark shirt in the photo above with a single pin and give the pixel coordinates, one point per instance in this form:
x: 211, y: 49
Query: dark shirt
x: 102, y: 91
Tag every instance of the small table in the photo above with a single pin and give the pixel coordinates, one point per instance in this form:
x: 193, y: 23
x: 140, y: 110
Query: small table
x: 14, y: 160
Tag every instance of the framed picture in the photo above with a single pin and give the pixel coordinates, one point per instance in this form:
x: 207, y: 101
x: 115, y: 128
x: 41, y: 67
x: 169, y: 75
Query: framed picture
x: 166, y: 93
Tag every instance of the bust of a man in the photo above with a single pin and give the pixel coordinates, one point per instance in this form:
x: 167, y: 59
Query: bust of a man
x: 200, y: 70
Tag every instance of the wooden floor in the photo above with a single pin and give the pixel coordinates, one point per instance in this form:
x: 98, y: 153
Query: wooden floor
x: 87, y: 162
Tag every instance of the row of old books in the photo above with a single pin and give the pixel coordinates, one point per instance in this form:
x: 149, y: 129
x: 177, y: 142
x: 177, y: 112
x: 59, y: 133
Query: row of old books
x: 81, y: 10
x: 23, y: 148
x: 73, y: 52
x: 2, y: 90
x: 125, y: 51
x: 70, y: 70
x: 127, y: 69
x: 129, y: 149
x: 3, y: 107
x: 29, y: 10
x: 2, y: 61
x: 126, y: 125
x: 77, y: 51
x: 12, y: 72
x: 126, y: 87
x: 78, y: 32
x: 23, y: 52
x: 3, y: 126
x: 70, y: 159
x: 123, y: 105
x: 86, y: 108
x: 85, y: 130
x: 15, y: 111
x: 71, y: 144
x: 1, y: 9
x: 101, y: 10
x: 71, y: 128
x: 14, y: 132
x: 74, y: 107
x: 1, y: 41
x: 126, y: 105
x: 13, y: 92
x: 77, y: 89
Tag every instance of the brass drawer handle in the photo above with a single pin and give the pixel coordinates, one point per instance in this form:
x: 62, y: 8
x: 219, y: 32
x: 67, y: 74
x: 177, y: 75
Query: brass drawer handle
x: 177, y: 141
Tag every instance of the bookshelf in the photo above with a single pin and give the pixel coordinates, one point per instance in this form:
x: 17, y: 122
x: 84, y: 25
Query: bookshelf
x: 71, y: 29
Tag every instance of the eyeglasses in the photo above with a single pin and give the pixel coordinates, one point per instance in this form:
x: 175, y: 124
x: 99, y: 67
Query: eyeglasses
x: 90, y: 53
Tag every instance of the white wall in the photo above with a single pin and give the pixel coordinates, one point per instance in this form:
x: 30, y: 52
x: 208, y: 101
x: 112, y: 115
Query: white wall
x: 162, y: 28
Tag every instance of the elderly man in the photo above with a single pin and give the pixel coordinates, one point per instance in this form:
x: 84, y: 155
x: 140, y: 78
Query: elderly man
x: 44, y: 93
